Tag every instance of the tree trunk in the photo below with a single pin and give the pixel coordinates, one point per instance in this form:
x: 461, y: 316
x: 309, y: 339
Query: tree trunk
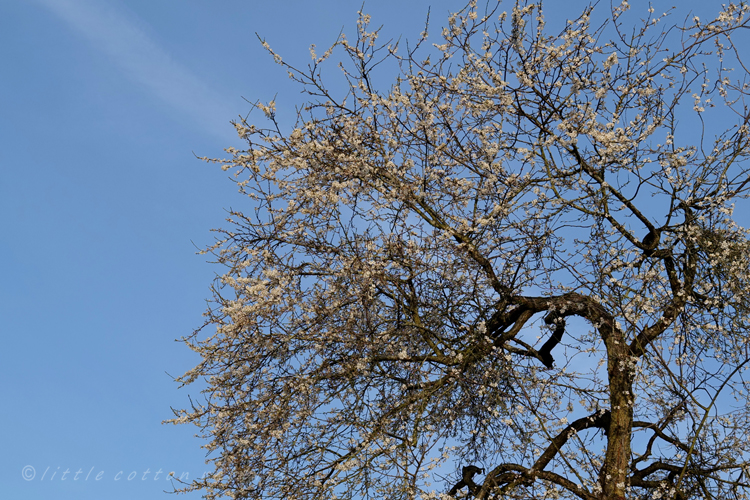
x: 616, y: 465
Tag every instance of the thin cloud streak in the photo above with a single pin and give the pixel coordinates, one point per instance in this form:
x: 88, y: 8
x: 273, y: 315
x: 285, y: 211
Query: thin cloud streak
x: 144, y: 61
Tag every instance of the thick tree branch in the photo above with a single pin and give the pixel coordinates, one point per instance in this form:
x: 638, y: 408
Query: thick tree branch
x: 499, y: 476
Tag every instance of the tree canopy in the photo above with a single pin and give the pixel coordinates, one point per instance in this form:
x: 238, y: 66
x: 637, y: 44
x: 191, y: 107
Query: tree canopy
x: 515, y: 271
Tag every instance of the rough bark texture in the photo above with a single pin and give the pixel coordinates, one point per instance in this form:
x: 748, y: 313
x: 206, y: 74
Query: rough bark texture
x: 617, y: 459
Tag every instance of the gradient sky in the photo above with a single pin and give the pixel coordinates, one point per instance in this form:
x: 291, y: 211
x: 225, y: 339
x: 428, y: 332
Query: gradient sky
x: 103, y: 205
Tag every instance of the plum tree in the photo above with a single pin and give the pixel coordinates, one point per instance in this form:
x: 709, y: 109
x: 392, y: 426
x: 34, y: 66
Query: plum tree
x: 451, y: 270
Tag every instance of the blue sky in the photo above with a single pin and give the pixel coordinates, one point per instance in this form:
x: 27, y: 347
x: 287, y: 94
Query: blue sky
x: 103, y: 105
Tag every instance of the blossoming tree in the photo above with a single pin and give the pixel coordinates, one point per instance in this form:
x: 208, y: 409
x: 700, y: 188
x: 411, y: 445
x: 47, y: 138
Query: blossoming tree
x: 519, y: 261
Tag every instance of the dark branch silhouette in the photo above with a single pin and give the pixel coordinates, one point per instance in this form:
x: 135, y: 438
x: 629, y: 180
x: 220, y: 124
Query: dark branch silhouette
x: 467, y: 475
x: 651, y: 241
x: 545, y: 353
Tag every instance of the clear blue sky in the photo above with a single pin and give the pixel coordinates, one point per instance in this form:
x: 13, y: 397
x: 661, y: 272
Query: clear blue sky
x: 103, y: 204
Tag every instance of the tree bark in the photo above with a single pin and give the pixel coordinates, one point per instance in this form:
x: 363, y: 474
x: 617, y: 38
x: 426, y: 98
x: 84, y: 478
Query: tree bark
x: 617, y: 459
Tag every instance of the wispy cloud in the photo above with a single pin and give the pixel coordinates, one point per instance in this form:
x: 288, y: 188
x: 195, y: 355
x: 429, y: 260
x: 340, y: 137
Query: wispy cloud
x: 117, y: 33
